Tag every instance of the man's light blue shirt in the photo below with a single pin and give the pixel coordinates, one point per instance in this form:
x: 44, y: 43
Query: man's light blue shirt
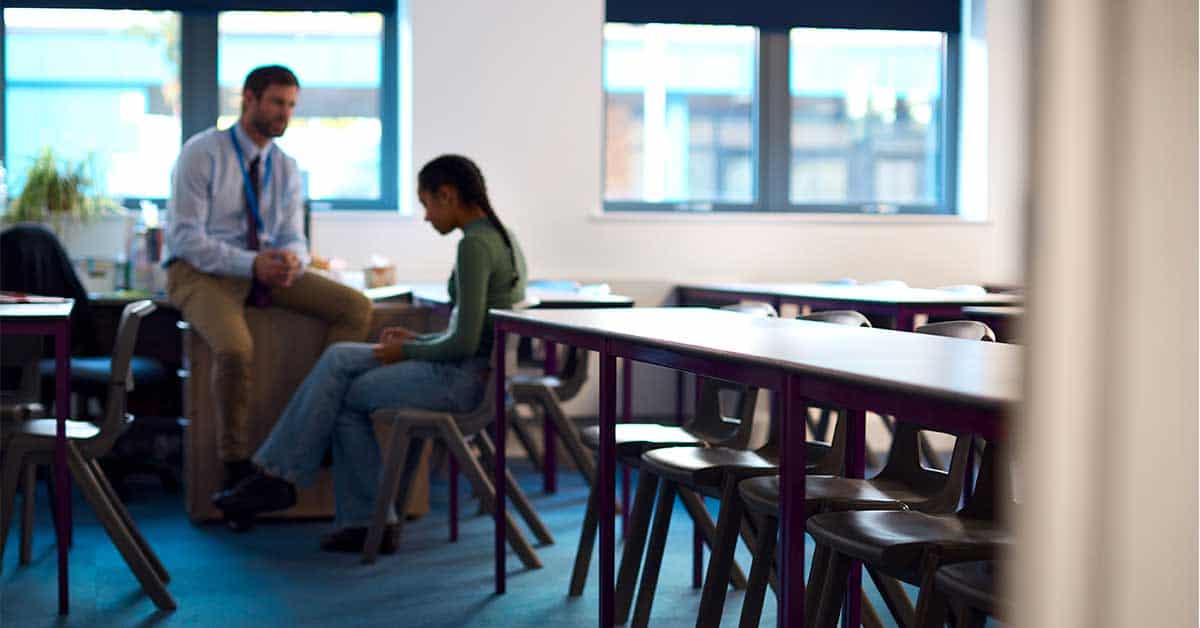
x: 208, y: 204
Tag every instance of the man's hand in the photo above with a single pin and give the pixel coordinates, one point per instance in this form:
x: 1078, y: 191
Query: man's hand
x: 389, y: 352
x: 276, y: 268
x: 396, y: 334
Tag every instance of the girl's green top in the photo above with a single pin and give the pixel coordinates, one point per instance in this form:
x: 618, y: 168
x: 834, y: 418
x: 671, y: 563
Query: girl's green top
x: 483, y: 278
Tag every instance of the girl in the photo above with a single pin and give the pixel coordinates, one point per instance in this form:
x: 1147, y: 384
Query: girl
x: 443, y: 371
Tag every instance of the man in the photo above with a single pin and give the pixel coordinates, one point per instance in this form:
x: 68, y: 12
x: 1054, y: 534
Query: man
x: 236, y: 240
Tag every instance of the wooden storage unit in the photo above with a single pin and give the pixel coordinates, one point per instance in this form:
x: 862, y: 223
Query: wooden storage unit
x: 286, y: 345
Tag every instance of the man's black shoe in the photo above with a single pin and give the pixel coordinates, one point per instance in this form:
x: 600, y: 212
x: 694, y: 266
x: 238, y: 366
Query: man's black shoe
x: 236, y: 471
x: 353, y: 539
x: 255, y: 494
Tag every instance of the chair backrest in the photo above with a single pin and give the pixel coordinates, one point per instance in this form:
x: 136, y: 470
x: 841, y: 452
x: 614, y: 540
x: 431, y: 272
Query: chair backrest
x: 838, y: 317
x: 993, y: 493
x: 966, y: 330
x: 710, y: 422
x: 968, y: 289
x: 481, y: 416
x: 944, y: 488
x: 33, y: 260
x: 121, y: 373
x: 574, y: 373
x: 754, y: 308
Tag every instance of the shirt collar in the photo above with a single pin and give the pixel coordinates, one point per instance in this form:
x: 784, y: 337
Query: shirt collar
x: 478, y: 223
x: 249, y: 148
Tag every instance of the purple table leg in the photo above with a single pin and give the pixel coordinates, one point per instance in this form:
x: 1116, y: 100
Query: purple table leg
x: 697, y: 539
x: 501, y: 427
x: 549, y: 434
x: 791, y: 506
x: 453, y: 499
x: 855, y: 467
x: 904, y: 319
x: 62, y: 485
x: 626, y: 417
x: 605, y: 466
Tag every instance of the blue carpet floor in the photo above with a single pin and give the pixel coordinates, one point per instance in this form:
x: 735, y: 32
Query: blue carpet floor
x: 276, y: 576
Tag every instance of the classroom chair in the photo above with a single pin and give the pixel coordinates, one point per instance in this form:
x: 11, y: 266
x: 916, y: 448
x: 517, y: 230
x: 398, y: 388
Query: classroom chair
x: 903, y: 483
x: 710, y: 425
x: 910, y: 545
x: 32, y: 442
x: 411, y: 428
x: 715, y: 472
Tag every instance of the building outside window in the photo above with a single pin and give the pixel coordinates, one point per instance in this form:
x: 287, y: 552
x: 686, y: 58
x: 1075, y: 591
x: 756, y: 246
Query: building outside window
x: 104, y: 86
x: 691, y: 122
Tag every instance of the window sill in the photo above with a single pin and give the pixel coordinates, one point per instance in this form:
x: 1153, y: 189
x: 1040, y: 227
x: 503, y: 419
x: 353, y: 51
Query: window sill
x: 359, y: 215
x: 785, y: 217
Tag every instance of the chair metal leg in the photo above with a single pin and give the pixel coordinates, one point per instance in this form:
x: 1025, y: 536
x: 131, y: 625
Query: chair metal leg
x: 931, y: 608
x: 117, y: 532
x: 587, y: 540
x: 520, y: 500
x: 756, y: 587
x: 635, y: 544
x: 720, y: 564
x: 694, y: 504
x: 29, y: 496
x: 833, y: 591
x: 487, y: 494
x: 10, y: 479
x: 894, y: 597
x: 654, y: 555
x: 527, y: 442
x: 568, y: 433
x: 816, y: 579
x: 123, y: 513
x: 389, y: 486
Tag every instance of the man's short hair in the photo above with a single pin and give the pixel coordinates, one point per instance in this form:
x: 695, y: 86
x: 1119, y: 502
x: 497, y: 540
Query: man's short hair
x: 262, y: 77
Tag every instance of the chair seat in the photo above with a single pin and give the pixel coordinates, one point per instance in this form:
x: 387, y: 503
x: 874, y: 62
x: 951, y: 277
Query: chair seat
x: 894, y: 541
x: 973, y: 583
x: 705, y: 467
x: 522, y: 381
x: 822, y: 493
x: 98, y: 370
x: 46, y: 428
x: 633, y: 439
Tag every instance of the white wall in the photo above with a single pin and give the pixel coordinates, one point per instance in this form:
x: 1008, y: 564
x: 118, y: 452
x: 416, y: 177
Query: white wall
x: 516, y: 85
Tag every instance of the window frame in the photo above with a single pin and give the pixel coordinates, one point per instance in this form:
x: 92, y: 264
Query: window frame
x: 199, y: 88
x: 771, y: 116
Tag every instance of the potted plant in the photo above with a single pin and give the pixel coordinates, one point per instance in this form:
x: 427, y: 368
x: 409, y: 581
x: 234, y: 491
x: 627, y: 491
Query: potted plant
x: 56, y: 192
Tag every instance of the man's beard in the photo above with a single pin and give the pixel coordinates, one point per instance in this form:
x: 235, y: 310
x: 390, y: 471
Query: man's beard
x: 266, y: 128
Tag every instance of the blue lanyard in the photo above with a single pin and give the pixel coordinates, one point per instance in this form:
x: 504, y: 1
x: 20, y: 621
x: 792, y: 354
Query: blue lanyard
x: 251, y: 197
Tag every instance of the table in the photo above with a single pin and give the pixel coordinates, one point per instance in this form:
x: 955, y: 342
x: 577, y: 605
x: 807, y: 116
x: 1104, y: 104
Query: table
x: 1004, y: 320
x: 52, y: 319
x: 900, y: 304
x: 943, y: 382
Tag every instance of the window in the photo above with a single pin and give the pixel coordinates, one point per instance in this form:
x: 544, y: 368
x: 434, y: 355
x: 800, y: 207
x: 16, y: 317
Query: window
x: 104, y: 85
x: 337, y: 58
x: 866, y: 117
x: 95, y: 86
x: 703, y: 117
x: 679, y: 122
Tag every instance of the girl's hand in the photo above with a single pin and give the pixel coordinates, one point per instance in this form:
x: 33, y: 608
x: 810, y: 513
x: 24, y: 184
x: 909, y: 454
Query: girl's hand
x: 396, y: 334
x: 389, y: 352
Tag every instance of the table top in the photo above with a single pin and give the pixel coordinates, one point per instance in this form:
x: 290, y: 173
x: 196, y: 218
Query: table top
x: 997, y: 311
x: 22, y: 311
x: 547, y: 299
x: 978, y: 373
x: 861, y: 293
